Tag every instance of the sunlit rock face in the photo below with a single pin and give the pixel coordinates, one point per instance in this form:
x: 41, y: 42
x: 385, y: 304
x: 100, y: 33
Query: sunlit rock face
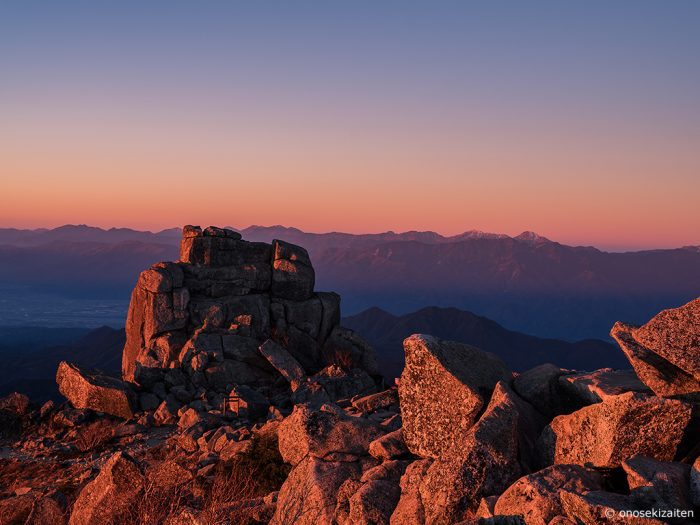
x: 606, y: 433
x: 90, y: 389
x: 665, y: 352
x: 209, y: 313
x: 443, y: 388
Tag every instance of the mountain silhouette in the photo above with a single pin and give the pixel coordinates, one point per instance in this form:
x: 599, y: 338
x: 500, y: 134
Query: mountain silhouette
x: 528, y: 283
x: 386, y: 333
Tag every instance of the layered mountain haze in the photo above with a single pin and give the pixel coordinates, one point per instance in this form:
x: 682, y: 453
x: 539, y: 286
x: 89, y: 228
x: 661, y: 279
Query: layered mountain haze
x: 527, y: 283
x: 84, y: 233
x: 386, y: 333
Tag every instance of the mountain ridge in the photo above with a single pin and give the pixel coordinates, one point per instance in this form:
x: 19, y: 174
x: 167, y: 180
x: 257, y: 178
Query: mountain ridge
x: 532, y: 284
x: 386, y: 332
x: 69, y: 231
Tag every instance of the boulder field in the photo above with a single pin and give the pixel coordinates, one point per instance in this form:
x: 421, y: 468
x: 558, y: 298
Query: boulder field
x: 243, y: 401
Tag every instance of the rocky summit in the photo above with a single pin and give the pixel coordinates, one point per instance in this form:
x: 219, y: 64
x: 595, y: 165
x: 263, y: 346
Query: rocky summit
x: 243, y: 401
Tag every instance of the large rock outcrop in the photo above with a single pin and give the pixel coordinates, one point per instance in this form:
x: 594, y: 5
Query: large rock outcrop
x: 536, y: 497
x: 91, y: 389
x: 325, y: 435
x: 659, y: 484
x: 111, y: 495
x: 376, y: 498
x: 209, y: 313
x: 482, y: 462
x: 599, y: 385
x: 308, y: 496
x: 410, y: 509
x: 606, y: 433
x: 665, y: 352
x: 443, y: 388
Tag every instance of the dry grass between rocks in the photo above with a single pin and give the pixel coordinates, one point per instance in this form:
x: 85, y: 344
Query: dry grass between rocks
x: 94, y: 436
x: 245, y: 478
x: 158, y: 504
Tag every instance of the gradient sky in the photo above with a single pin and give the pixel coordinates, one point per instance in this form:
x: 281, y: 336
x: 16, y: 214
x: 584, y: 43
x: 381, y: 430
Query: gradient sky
x: 579, y: 120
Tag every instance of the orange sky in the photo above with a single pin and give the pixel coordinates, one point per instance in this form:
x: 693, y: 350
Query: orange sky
x: 585, y: 144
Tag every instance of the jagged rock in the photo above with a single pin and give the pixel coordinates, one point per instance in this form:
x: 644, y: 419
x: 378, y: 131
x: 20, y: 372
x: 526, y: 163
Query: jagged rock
x: 293, y: 276
x: 312, y: 394
x: 302, y: 347
x: 46, y: 511
x: 202, y: 320
x: 166, y: 413
x: 695, y: 482
x: 442, y: 390
x: 530, y: 426
x: 96, y: 391
x: 410, y: 509
x: 220, y: 376
x: 251, y: 403
x: 325, y: 435
x: 343, y: 384
x: 225, y: 441
x: 606, y: 433
x: 665, y: 352
x: 244, y: 349
x: 376, y: 401
x: 350, y: 486
x: 187, y: 439
x: 244, y: 315
x: 306, y: 316
x: 389, y: 446
x: 601, y: 507
x: 376, y: 498
x: 157, y: 312
x: 540, y: 387
x: 347, y: 349
x: 189, y: 418
x: 200, y: 249
x: 658, y: 484
x: 284, y: 363
x: 71, y: 417
x: 486, y: 507
x: 16, y: 403
x: 47, y: 409
x: 111, y: 494
x: 596, y: 386
x: 482, y: 462
x: 536, y: 496
x: 309, y: 494
x: 330, y: 316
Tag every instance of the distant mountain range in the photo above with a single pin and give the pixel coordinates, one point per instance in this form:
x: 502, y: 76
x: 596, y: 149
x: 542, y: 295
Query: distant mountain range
x: 82, y: 233
x: 386, y: 332
x: 528, y: 283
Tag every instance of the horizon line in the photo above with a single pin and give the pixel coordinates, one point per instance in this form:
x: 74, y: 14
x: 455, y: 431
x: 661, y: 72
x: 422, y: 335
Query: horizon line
x: 384, y: 232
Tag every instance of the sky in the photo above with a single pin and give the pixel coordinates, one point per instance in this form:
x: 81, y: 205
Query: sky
x: 579, y: 120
